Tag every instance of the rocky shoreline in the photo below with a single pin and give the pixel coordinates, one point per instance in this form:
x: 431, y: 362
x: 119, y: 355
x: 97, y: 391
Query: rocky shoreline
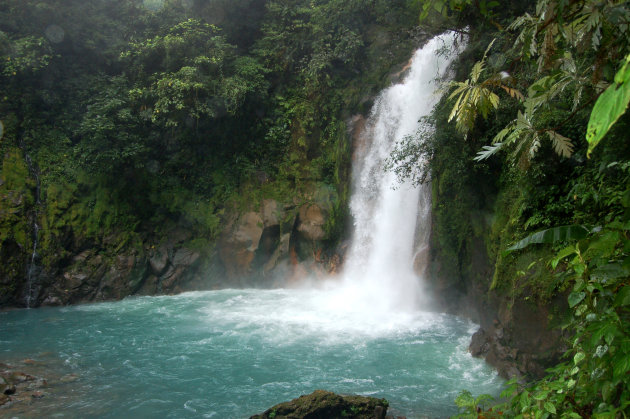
x: 27, y: 382
x: 21, y: 391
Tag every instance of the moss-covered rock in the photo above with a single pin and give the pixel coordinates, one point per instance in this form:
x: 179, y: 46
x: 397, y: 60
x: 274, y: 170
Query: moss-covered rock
x: 322, y: 404
x: 16, y: 199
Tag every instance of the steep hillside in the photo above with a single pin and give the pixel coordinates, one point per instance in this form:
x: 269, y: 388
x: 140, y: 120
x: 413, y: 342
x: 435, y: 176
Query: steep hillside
x: 158, y: 146
x: 529, y: 166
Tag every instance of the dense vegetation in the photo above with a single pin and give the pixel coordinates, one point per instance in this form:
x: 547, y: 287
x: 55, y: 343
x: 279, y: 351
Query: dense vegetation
x: 124, y: 119
x: 535, y: 134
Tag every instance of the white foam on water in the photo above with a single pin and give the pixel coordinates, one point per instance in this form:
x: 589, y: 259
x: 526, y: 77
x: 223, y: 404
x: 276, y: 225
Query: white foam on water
x: 290, y: 315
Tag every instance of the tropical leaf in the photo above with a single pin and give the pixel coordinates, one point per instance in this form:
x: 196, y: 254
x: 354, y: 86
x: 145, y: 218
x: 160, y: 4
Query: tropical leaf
x: 574, y: 299
x: 552, y: 235
x: 563, y: 146
x: 567, y: 251
x: 513, y: 92
x: 504, y: 133
x: 609, y: 107
x: 621, y: 366
x: 623, y: 296
x: 534, y: 146
x: 549, y: 407
x: 487, y: 151
x: 473, y: 97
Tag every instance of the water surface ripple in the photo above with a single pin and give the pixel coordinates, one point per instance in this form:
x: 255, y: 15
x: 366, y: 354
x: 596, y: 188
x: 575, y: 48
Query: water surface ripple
x: 233, y: 353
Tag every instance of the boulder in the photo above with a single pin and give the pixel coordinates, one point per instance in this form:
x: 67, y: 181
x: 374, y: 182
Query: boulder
x: 52, y: 301
x: 271, y: 212
x: 239, y: 242
x: 159, y: 260
x: 171, y: 278
x: 324, y: 404
x: 150, y: 286
x: 479, y: 344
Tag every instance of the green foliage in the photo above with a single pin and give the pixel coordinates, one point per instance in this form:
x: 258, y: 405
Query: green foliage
x: 594, y: 381
x: 23, y: 55
x: 552, y: 42
x: 112, y: 126
x: 476, y: 97
x: 446, y: 7
x: 552, y: 235
x: 609, y: 106
x: 469, y: 406
x: 527, y: 140
x: 182, y: 74
x: 565, y: 56
x: 146, y: 117
x: 16, y: 197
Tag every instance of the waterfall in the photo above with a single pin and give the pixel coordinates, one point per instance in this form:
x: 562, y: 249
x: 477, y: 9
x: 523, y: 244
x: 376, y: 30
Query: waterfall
x: 391, y: 220
x: 32, y: 269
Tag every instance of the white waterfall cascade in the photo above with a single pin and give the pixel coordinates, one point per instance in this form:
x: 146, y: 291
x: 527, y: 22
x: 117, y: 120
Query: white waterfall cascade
x: 392, y: 220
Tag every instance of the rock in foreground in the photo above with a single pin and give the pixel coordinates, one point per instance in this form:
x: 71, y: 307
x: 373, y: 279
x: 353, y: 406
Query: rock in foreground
x: 322, y: 404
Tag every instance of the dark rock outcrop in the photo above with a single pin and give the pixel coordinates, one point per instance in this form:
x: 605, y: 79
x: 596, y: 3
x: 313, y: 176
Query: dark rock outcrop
x: 516, y: 335
x: 97, y: 275
x: 311, y: 222
x: 520, y: 340
x: 255, y: 248
x: 324, y: 405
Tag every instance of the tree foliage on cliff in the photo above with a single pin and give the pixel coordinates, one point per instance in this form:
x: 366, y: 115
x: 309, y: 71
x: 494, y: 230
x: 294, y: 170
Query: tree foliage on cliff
x: 566, y: 165
x: 143, y: 116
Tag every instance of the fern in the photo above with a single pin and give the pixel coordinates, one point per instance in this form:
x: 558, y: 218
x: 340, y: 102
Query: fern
x: 474, y: 97
x: 561, y: 145
x: 487, y: 151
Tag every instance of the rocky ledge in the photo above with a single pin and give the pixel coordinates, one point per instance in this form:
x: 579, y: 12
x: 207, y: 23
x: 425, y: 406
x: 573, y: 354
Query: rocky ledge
x: 323, y: 405
x: 521, y: 341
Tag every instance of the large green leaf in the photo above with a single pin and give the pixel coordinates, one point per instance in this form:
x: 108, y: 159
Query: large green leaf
x: 623, y: 296
x: 552, y: 235
x: 621, y: 366
x: 549, y: 407
x: 576, y: 298
x: 609, y: 107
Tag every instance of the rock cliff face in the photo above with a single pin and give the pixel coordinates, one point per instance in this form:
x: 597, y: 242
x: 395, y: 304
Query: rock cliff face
x: 516, y: 333
x: 518, y: 340
x: 95, y: 274
x: 267, y: 245
x: 278, y: 242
